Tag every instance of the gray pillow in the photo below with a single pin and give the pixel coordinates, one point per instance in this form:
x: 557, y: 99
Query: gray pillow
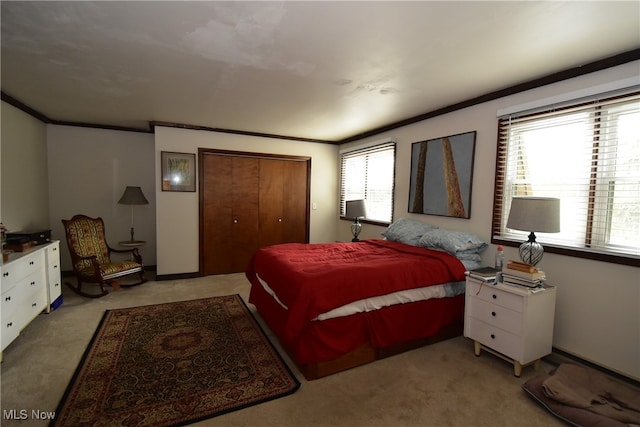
x: 455, y: 242
x: 407, y: 231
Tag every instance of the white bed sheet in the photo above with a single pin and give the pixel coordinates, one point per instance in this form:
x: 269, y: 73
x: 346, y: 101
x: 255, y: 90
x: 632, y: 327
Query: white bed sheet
x: 375, y: 303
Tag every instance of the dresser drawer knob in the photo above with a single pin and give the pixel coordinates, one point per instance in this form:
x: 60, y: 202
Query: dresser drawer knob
x: 31, y: 263
x: 494, y: 296
x: 34, y: 304
x: 493, y: 313
x: 493, y: 337
x: 10, y: 324
x: 5, y: 274
x: 8, y: 298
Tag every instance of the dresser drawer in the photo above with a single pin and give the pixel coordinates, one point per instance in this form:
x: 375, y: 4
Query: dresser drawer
x: 496, y: 315
x: 33, y: 306
x: 10, y: 330
x: 494, y: 295
x: 15, y: 271
x: 10, y: 326
x: 54, y: 288
x: 9, y: 304
x: 493, y: 337
x: 53, y: 256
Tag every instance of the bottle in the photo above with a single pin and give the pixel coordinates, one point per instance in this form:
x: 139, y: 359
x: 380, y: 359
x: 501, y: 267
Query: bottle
x: 499, y: 258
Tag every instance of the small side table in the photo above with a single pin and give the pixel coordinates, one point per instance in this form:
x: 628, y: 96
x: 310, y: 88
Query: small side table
x: 511, y: 322
x: 132, y: 243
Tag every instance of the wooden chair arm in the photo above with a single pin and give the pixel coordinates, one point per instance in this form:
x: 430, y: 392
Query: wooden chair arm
x: 133, y: 251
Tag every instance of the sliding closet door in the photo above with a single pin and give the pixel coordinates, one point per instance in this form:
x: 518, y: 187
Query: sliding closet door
x: 271, y: 202
x: 283, y: 201
x: 296, y: 203
x: 248, y: 201
x: 230, y: 213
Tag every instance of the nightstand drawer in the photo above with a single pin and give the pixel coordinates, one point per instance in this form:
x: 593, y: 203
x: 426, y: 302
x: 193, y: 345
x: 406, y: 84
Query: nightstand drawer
x: 494, y: 295
x: 495, y: 338
x: 496, y: 315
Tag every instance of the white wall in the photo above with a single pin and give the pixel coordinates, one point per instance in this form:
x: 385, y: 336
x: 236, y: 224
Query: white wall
x: 177, y: 212
x: 24, y: 196
x: 598, y: 304
x: 88, y: 172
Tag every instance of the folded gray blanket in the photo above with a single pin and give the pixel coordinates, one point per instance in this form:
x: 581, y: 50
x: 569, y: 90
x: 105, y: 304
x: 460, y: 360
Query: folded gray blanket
x: 589, y: 389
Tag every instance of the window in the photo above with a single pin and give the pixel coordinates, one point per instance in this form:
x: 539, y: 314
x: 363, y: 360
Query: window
x: 369, y: 174
x: 588, y: 156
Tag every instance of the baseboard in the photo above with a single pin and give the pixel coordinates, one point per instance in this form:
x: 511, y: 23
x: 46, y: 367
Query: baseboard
x: 177, y: 276
x: 560, y: 356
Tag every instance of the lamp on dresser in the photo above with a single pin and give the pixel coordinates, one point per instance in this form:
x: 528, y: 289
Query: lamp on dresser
x: 133, y: 196
x: 541, y: 214
x: 355, y: 209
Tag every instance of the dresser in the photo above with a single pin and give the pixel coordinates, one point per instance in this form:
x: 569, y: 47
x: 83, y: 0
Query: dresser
x: 511, y: 322
x: 30, y: 284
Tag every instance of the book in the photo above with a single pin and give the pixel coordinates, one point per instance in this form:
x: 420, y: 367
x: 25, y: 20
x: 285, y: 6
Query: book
x: 486, y: 274
x: 538, y: 275
x: 521, y: 266
x: 507, y: 278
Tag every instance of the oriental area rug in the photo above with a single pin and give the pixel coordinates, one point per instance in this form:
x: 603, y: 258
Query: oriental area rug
x: 174, y: 364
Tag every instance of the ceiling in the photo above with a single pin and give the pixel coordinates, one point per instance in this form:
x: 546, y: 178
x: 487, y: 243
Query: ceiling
x: 319, y: 70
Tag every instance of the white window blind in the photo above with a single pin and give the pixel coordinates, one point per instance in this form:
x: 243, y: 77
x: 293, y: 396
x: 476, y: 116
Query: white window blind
x: 586, y: 155
x: 369, y: 174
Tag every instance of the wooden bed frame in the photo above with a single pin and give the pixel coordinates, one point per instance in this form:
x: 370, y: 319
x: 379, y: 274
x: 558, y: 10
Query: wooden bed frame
x: 367, y: 354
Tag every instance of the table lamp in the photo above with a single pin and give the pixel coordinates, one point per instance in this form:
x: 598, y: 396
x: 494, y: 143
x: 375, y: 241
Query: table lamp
x: 356, y: 210
x: 133, y: 196
x: 533, y: 214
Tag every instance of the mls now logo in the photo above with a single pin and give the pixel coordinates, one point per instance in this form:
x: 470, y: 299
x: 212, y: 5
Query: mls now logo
x: 23, y: 414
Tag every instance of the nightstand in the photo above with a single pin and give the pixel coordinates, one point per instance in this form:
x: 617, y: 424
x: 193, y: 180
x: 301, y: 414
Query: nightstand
x: 512, y: 322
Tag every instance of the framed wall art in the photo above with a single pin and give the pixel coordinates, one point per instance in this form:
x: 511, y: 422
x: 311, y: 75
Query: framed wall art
x: 442, y: 175
x: 178, y: 171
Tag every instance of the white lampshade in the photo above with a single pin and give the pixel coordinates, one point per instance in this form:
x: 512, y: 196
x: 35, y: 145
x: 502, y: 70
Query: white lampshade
x: 541, y: 214
x: 355, y: 209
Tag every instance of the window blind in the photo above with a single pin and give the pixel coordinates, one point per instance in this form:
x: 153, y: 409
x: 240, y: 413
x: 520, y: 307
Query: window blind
x: 368, y: 173
x: 588, y: 156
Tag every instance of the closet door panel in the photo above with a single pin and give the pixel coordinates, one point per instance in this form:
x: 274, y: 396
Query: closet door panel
x: 217, y: 211
x: 271, y: 202
x: 245, y: 219
x: 296, y: 202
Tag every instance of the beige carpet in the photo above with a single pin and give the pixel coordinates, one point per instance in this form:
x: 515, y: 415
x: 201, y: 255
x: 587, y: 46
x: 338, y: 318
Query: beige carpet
x: 440, y: 385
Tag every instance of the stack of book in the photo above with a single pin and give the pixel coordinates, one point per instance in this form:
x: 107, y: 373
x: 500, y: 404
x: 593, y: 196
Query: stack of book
x: 486, y: 274
x: 522, y: 274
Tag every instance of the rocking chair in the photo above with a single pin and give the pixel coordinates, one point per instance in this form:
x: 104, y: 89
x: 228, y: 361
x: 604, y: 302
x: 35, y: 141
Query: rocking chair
x: 91, y: 256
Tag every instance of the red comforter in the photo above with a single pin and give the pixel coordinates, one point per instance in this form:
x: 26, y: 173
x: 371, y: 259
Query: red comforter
x: 313, y: 279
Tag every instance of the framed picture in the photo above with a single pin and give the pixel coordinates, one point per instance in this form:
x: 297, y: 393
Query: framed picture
x: 178, y: 171
x: 441, y: 175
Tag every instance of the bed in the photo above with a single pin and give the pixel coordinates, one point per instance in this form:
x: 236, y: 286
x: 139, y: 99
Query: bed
x: 334, y: 306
